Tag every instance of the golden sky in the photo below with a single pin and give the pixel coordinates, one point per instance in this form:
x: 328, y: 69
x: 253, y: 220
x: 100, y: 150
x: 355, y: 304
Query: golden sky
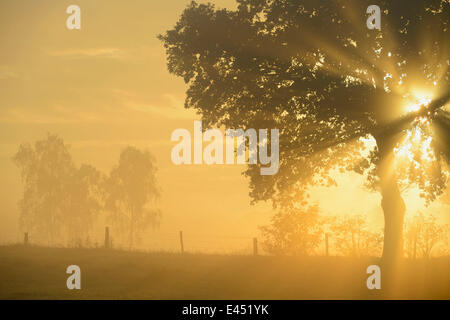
x: 106, y: 86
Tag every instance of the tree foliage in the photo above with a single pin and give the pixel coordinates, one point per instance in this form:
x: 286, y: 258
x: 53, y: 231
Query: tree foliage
x: 422, y: 234
x: 313, y: 70
x: 293, y: 232
x: 62, y: 201
x: 131, y: 193
x: 58, y: 198
x: 353, y: 237
x: 302, y: 232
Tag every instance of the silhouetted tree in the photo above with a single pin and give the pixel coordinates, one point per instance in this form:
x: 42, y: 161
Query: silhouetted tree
x: 422, y: 234
x: 313, y: 70
x: 58, y: 197
x: 131, y: 193
x: 84, y: 201
x: 352, y: 237
x: 293, y: 232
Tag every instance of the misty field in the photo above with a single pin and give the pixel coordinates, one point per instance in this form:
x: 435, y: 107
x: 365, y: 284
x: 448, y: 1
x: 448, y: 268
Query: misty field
x: 40, y: 273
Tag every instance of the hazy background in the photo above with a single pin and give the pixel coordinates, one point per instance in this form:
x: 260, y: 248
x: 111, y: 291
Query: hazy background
x: 106, y: 86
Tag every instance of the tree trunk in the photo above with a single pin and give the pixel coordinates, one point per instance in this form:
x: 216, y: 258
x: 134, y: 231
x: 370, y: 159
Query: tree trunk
x: 391, y: 202
x: 394, y: 212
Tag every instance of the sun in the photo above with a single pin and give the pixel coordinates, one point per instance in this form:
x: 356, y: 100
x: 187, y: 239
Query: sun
x: 415, y: 148
x: 421, y: 99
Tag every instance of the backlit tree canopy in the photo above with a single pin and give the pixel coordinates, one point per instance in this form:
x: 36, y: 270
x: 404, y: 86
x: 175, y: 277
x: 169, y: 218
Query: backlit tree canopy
x: 132, y: 192
x: 331, y: 86
x: 59, y: 197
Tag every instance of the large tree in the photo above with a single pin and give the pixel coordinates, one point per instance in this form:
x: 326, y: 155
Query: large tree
x: 60, y: 201
x: 131, y: 193
x: 294, y: 232
x: 333, y: 87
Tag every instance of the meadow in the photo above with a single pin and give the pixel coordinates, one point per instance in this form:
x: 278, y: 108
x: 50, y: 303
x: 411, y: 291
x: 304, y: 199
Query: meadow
x: 40, y: 273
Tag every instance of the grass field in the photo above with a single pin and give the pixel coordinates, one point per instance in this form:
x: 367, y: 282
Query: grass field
x: 39, y: 273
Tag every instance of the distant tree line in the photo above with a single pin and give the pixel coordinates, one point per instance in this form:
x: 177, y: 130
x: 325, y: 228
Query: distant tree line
x: 302, y: 231
x: 423, y: 234
x: 62, y: 201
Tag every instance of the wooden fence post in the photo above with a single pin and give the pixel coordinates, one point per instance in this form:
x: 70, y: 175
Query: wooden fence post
x: 25, y: 239
x: 107, y: 241
x: 255, y: 246
x: 181, y: 242
x: 326, y: 244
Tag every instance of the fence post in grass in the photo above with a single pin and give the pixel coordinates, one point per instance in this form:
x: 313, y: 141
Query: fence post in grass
x: 25, y: 239
x: 107, y: 241
x: 255, y: 246
x: 181, y: 242
x: 326, y: 244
